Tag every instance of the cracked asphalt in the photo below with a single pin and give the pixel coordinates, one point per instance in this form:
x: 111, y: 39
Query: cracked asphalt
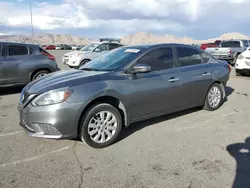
x: 190, y: 149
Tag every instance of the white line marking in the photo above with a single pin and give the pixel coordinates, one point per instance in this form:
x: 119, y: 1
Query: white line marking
x: 33, y: 158
x: 9, y: 134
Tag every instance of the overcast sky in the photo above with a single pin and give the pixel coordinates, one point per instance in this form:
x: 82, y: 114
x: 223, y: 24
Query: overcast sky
x: 199, y: 19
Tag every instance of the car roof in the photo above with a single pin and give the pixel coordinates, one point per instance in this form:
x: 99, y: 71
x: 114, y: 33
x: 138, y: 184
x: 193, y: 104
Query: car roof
x: 19, y: 43
x: 151, y: 46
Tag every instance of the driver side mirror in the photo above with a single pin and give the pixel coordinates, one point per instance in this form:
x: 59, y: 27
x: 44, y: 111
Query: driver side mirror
x: 141, y: 68
x: 97, y: 50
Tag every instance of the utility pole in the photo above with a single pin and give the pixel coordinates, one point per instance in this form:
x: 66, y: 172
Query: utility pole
x: 31, y: 22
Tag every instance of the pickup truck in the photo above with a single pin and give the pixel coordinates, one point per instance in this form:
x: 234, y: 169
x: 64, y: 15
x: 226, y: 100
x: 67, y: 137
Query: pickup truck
x: 228, y: 50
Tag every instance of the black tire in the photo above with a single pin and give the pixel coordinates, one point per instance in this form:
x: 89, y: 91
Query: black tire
x: 83, y: 62
x: 38, y: 74
x: 93, y: 110
x: 237, y: 73
x: 207, y: 105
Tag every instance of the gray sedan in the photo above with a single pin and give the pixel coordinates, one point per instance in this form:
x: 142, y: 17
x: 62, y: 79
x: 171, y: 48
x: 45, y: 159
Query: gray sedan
x: 123, y: 86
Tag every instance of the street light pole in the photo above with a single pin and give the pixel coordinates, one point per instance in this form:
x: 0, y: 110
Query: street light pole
x: 31, y: 22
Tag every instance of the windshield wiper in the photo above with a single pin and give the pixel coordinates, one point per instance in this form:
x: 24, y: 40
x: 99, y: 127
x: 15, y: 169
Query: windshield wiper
x: 90, y: 69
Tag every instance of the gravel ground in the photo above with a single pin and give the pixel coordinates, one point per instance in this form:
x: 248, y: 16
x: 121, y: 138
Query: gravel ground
x: 190, y: 149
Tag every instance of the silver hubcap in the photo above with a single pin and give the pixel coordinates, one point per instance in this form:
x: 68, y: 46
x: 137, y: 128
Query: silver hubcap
x: 41, y: 75
x: 214, y: 97
x: 102, y: 127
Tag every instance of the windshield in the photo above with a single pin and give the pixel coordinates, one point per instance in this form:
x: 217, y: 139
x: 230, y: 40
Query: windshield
x: 112, y: 60
x: 90, y: 47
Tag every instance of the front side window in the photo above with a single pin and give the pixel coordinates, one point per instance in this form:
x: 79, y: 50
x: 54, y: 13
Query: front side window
x: 15, y: 50
x: 113, y: 46
x: 245, y: 43
x: 158, y: 59
x: 188, y: 56
x: 102, y: 47
x: 90, y: 47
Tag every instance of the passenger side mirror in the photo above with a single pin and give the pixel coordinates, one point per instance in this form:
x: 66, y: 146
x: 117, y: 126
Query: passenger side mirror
x: 141, y: 68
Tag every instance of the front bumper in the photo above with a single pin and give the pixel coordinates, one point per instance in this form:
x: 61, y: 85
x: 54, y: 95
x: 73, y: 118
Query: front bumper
x: 54, y: 121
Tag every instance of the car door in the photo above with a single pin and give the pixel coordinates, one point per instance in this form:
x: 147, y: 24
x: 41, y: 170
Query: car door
x: 15, y: 55
x: 99, y: 50
x: 195, y: 74
x: 2, y: 76
x: 156, y: 91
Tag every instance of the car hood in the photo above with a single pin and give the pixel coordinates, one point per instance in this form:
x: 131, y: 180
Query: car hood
x: 82, y: 53
x: 62, y: 79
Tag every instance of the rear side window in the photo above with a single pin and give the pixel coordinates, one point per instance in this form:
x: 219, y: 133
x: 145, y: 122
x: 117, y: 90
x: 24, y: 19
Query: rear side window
x: 188, y: 56
x: 15, y: 50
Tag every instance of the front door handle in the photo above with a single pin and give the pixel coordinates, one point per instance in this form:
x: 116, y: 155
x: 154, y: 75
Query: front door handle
x: 173, y: 79
x: 206, y: 74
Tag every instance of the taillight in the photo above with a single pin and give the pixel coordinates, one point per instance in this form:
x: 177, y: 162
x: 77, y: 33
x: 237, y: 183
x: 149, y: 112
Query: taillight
x: 229, y: 67
x: 229, y: 51
x: 51, y: 57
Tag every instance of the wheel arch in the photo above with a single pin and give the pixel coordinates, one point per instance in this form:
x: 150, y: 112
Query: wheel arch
x: 38, y: 70
x: 114, y: 101
x: 221, y: 86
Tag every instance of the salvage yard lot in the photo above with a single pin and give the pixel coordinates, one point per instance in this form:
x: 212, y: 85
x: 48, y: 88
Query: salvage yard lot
x: 181, y: 150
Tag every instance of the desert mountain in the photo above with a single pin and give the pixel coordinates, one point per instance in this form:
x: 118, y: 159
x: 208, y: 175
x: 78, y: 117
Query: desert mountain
x: 47, y: 39
x: 137, y: 38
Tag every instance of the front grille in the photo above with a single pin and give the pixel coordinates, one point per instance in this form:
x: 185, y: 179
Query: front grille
x: 49, y: 129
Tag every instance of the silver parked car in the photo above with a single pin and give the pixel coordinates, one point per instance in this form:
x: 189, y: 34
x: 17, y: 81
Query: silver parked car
x: 78, y: 58
x: 123, y: 86
x: 22, y: 63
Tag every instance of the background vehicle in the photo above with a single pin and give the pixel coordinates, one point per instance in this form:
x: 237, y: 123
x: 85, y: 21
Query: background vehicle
x: 207, y: 45
x: 123, y: 86
x: 22, y: 63
x: 76, y: 59
x: 50, y: 47
x: 242, y: 65
x: 63, y: 47
x: 229, y: 50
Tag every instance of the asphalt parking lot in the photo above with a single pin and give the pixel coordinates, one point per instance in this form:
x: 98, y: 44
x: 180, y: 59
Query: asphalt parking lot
x: 190, y: 149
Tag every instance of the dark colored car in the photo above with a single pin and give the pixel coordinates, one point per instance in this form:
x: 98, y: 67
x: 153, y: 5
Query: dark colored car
x: 120, y: 87
x: 22, y: 63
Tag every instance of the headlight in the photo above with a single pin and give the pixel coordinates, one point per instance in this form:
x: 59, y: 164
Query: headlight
x: 240, y: 56
x: 52, y: 97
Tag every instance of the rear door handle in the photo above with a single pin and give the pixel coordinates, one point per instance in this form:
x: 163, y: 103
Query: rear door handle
x: 206, y: 74
x: 173, y: 79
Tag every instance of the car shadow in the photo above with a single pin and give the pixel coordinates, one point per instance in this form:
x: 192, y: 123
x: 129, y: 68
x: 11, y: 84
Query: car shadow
x: 10, y: 90
x: 140, y: 125
x: 241, y: 154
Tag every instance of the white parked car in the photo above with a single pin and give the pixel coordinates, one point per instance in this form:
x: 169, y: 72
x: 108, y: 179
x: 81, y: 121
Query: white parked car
x: 78, y: 58
x: 242, y: 65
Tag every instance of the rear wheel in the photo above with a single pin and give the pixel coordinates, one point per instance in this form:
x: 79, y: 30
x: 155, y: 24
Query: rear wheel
x: 214, y: 98
x: 101, y: 125
x: 39, y: 74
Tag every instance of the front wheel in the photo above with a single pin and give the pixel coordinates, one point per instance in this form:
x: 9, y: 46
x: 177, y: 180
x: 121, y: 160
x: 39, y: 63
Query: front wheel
x: 83, y: 62
x: 101, y: 126
x: 214, y: 98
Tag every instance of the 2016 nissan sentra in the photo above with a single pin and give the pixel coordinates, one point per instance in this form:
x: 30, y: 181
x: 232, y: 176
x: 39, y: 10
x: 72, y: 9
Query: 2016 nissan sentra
x: 123, y: 86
